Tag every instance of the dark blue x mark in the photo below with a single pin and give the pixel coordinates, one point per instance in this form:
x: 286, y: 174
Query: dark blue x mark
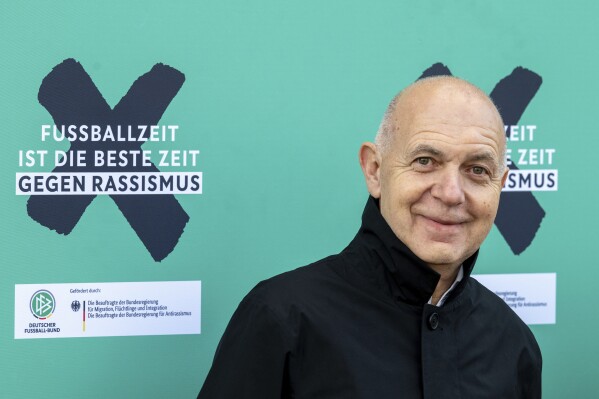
x: 519, y: 216
x: 71, y: 98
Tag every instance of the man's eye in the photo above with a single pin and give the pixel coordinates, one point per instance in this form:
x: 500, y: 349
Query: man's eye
x: 479, y: 170
x: 424, y: 161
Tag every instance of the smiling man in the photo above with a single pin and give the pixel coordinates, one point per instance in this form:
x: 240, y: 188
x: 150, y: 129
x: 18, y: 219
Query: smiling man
x: 438, y: 168
x: 396, y: 314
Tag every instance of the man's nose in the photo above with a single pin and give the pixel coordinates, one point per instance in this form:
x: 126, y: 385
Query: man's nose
x: 449, y: 187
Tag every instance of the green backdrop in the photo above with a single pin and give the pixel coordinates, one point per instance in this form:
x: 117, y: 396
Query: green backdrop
x: 278, y: 97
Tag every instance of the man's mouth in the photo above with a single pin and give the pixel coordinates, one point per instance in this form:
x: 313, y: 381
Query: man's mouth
x: 444, y: 224
x: 444, y: 221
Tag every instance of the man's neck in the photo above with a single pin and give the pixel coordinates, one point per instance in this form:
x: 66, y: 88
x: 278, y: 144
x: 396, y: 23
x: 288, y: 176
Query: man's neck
x: 448, y: 275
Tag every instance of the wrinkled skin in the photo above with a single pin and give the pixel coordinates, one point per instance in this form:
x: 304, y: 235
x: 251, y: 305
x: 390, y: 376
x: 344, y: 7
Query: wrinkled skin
x: 440, y: 179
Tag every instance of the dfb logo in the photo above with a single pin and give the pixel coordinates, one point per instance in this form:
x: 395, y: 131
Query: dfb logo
x: 519, y: 216
x: 71, y: 98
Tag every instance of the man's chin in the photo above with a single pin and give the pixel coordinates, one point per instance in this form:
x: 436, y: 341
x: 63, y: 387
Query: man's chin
x: 441, y: 254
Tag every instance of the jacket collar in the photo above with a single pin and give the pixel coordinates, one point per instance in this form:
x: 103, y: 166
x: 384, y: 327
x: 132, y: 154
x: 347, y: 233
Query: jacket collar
x: 411, y: 280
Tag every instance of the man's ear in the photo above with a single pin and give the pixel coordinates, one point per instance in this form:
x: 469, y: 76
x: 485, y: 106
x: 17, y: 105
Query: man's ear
x: 504, y: 178
x: 370, y: 161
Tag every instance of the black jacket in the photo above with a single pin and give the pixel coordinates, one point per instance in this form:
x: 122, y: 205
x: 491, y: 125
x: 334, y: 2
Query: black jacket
x: 356, y: 325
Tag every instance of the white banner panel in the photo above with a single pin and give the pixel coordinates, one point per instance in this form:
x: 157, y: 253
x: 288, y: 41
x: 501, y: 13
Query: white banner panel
x: 107, y: 309
x: 108, y: 183
x: 531, y: 180
x: 531, y: 295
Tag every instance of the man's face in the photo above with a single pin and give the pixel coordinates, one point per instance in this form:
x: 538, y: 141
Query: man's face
x: 441, y: 178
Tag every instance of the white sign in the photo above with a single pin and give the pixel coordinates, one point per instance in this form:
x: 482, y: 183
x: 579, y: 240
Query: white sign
x: 530, y: 295
x: 108, y: 183
x: 107, y: 309
x: 531, y: 180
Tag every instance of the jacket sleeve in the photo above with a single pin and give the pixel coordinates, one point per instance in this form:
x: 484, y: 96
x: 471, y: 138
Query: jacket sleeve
x: 251, y: 358
x: 529, y: 372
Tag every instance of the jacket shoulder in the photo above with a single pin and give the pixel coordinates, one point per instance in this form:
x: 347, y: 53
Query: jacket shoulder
x: 501, y: 316
x: 294, y: 286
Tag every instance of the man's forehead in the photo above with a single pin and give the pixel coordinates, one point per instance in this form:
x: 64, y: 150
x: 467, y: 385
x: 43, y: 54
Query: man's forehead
x: 440, y: 93
x: 447, y: 101
x: 480, y: 148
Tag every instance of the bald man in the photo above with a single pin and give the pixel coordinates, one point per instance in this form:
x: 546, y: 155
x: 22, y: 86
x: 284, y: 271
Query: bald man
x: 396, y: 314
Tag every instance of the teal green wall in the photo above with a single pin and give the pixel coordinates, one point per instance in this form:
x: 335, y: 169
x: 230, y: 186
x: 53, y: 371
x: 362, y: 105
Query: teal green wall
x: 278, y: 97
